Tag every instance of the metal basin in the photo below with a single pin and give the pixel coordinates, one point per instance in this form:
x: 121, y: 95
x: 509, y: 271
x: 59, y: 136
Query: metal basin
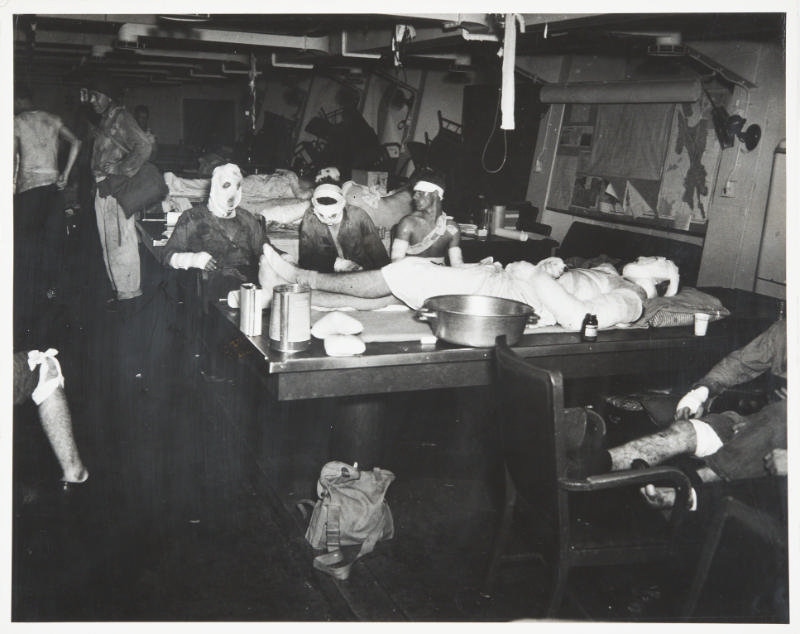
x: 476, y: 320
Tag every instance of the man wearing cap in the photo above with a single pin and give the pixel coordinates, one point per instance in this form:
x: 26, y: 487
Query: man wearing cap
x: 427, y: 232
x: 338, y: 237
x: 39, y: 221
x: 120, y: 147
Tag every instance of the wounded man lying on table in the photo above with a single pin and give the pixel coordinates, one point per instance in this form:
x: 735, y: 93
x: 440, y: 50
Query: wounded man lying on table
x: 219, y: 237
x: 558, y: 296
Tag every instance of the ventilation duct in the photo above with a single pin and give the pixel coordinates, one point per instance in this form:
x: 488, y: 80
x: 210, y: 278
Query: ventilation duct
x: 678, y: 91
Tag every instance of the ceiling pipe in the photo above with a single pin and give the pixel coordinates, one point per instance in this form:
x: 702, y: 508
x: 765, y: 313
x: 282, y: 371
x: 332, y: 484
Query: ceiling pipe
x: 195, y: 74
x: 130, y: 32
x: 218, y: 57
x: 232, y: 71
x: 277, y: 64
x: 478, y: 37
x: 676, y: 91
x: 346, y: 53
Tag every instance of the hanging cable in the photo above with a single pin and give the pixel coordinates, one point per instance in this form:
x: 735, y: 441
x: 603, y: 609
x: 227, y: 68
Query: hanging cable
x: 489, y: 140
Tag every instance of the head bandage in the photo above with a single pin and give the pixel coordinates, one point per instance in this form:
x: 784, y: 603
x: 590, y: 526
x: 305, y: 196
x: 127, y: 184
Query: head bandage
x: 328, y: 203
x: 428, y: 187
x: 328, y: 174
x: 226, y: 190
x: 649, y: 271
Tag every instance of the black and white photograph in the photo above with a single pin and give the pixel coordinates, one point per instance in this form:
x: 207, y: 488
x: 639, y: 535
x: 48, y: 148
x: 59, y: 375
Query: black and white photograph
x: 399, y: 315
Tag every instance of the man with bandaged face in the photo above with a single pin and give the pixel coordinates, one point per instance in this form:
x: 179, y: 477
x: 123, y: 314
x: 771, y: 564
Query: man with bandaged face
x: 427, y: 232
x: 219, y: 237
x: 336, y: 237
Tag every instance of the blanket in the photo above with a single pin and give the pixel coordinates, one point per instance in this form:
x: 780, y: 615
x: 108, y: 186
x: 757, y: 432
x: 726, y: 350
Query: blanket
x: 281, y: 197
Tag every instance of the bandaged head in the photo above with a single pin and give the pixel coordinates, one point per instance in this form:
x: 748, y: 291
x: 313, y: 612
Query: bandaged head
x: 328, y: 203
x: 647, y: 272
x: 430, y: 181
x: 226, y: 190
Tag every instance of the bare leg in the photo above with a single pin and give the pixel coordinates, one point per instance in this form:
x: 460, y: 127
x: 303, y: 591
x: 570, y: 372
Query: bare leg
x: 367, y: 284
x: 679, y: 438
x: 57, y: 424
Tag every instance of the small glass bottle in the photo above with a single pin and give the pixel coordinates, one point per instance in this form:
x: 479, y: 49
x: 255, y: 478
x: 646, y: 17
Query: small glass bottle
x: 589, y: 328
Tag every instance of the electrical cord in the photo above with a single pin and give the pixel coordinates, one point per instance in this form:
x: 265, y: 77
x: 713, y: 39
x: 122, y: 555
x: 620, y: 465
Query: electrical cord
x: 489, y: 140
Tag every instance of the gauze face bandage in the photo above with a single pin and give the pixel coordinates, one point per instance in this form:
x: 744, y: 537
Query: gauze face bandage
x: 328, y: 204
x: 226, y: 191
x: 649, y: 271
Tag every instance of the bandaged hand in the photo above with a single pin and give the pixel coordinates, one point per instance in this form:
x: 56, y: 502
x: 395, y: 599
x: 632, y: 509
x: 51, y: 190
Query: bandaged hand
x: 202, y: 260
x: 692, y: 403
x: 776, y: 462
x: 342, y: 265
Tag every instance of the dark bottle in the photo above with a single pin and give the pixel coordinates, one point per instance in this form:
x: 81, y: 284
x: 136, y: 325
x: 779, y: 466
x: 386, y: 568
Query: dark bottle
x: 589, y: 328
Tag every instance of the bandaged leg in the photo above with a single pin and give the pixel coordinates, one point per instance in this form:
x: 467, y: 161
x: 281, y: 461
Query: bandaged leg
x: 366, y: 284
x: 55, y: 416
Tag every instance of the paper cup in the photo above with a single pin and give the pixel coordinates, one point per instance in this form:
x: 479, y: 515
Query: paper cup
x: 701, y: 324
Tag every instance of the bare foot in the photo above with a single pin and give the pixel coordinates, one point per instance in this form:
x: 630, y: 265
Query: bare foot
x: 286, y: 271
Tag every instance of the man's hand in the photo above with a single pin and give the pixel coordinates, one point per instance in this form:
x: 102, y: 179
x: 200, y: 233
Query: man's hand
x: 775, y: 462
x: 61, y: 181
x: 692, y: 404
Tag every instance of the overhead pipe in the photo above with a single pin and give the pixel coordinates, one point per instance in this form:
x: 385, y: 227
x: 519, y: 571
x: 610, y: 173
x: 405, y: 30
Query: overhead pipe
x: 675, y: 91
x: 346, y: 53
x: 218, y: 57
x: 130, y: 32
x: 231, y: 71
x: 278, y: 64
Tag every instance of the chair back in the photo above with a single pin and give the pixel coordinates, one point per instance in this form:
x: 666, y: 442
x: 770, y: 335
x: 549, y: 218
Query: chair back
x: 530, y: 408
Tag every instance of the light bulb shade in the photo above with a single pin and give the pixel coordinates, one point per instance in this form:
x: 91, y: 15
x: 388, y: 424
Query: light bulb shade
x: 750, y: 137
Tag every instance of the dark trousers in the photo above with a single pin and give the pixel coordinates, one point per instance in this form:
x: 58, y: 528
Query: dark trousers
x: 39, y: 244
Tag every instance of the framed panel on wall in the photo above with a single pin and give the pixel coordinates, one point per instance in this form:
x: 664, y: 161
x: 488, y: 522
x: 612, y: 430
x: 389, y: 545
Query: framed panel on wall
x: 644, y: 164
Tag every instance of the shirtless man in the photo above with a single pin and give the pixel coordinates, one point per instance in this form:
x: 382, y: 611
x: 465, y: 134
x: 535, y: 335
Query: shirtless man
x: 39, y: 221
x: 427, y: 232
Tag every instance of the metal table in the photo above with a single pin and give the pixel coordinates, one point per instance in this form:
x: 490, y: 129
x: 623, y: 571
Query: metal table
x: 409, y: 366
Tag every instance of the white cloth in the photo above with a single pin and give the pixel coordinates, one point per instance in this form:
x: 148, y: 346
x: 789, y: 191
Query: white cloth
x: 47, y: 385
x: 708, y: 442
x: 226, y: 190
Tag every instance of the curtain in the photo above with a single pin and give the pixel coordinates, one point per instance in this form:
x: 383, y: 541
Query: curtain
x: 630, y: 140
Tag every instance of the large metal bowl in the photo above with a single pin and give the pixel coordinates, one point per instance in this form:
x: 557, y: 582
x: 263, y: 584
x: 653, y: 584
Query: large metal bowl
x: 476, y: 320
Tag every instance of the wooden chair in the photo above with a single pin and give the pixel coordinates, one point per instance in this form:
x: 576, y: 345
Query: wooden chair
x: 596, y: 521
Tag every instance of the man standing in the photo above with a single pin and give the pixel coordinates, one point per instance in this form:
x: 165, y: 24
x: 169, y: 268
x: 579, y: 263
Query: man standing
x: 39, y: 222
x: 427, y: 232
x: 120, y: 147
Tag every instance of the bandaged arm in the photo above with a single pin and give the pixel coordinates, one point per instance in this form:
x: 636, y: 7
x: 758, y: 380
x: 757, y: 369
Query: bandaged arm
x: 399, y: 249
x: 455, y: 256
x: 188, y: 260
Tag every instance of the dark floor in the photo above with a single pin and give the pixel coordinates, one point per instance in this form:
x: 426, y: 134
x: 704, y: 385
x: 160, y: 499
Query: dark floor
x: 189, y: 514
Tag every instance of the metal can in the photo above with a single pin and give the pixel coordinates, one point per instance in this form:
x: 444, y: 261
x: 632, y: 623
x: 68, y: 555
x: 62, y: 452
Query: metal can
x: 250, y: 309
x: 290, y: 318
